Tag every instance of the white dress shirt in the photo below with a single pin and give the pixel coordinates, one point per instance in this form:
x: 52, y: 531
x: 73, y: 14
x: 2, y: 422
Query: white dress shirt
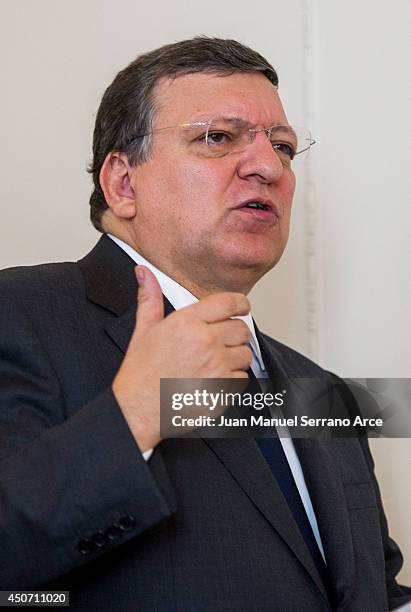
x: 179, y: 297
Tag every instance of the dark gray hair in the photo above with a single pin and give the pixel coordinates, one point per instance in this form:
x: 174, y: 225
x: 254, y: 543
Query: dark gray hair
x: 128, y: 106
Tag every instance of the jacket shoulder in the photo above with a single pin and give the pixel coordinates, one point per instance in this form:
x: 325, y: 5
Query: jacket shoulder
x: 29, y: 282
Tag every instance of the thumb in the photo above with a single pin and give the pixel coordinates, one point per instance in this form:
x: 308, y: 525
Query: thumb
x: 150, y: 305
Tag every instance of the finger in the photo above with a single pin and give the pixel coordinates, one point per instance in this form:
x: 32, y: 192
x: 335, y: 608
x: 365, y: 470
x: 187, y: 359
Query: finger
x: 232, y: 332
x: 221, y: 306
x: 150, y: 305
x: 239, y: 374
x: 239, y: 357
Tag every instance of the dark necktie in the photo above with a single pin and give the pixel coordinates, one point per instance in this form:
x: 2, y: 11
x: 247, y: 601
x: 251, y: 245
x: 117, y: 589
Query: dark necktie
x: 273, y: 452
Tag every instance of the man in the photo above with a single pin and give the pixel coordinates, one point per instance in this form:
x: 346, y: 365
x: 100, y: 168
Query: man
x: 193, y: 181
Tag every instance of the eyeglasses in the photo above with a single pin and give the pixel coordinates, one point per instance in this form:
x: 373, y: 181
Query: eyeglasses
x: 224, y: 136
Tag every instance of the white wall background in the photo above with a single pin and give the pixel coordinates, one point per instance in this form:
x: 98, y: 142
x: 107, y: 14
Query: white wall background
x: 342, y: 291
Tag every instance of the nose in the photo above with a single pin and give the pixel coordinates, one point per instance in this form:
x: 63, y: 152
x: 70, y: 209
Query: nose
x: 259, y: 162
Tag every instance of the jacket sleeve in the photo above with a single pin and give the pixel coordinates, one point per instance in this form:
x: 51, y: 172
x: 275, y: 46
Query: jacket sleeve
x: 70, y: 490
x: 397, y: 594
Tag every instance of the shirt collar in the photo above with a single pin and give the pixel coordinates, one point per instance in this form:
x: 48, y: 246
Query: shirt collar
x: 179, y: 296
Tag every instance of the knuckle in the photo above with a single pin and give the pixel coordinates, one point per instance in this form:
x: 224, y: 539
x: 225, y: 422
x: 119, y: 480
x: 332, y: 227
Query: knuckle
x: 246, y: 302
x: 229, y: 303
x: 242, y: 301
x: 204, y: 339
x: 142, y: 298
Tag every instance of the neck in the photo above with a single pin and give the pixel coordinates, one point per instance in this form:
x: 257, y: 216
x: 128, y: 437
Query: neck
x: 199, y: 279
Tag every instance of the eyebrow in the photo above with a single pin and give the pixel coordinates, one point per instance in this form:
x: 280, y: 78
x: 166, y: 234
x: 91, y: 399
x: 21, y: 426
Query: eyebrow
x: 237, y: 121
x: 243, y: 123
x: 287, y: 129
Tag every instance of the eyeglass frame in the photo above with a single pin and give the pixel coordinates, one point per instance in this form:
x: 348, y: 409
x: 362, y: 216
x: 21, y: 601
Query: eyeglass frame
x: 251, y: 131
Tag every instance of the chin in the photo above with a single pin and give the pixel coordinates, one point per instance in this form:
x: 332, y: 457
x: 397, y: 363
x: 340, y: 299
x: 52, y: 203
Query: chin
x: 241, y: 274
x: 257, y: 259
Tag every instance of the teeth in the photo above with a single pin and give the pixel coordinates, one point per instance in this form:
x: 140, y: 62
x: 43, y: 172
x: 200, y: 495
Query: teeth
x: 255, y: 205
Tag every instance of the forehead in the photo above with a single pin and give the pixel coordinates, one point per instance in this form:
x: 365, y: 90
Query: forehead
x: 191, y: 97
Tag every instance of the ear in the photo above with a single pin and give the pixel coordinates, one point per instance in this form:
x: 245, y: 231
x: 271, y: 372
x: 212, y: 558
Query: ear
x: 115, y: 182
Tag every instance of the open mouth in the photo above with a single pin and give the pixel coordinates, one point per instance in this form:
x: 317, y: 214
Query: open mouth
x: 260, y: 212
x: 257, y: 206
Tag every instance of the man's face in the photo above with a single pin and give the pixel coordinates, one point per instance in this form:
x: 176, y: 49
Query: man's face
x: 191, y: 216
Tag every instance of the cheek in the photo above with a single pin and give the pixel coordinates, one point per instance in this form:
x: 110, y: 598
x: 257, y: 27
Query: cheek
x: 185, y: 177
x: 290, y: 182
x: 196, y: 189
x: 287, y: 190
x: 178, y: 199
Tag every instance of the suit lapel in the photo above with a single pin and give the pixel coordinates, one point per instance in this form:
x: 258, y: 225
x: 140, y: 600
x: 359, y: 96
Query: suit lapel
x: 321, y: 474
x: 111, y: 283
x: 328, y: 499
x: 109, y: 277
x: 247, y: 466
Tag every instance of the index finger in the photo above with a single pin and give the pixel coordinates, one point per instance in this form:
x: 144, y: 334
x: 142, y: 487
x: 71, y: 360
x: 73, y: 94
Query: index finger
x: 221, y: 306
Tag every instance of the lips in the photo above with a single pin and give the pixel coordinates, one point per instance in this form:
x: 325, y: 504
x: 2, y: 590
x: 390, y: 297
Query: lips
x: 259, y: 204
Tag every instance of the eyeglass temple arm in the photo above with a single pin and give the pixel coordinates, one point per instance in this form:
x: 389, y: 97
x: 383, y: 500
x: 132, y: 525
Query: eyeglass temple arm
x: 312, y: 142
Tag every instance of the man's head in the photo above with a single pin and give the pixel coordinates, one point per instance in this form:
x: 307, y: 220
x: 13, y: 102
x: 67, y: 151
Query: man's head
x: 168, y: 181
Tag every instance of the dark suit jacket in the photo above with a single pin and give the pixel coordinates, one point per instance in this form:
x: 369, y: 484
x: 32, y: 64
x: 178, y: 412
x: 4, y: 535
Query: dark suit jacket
x: 210, y: 530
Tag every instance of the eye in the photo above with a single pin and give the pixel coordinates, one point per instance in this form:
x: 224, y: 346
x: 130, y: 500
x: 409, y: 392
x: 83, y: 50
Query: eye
x: 283, y: 148
x: 217, y: 138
